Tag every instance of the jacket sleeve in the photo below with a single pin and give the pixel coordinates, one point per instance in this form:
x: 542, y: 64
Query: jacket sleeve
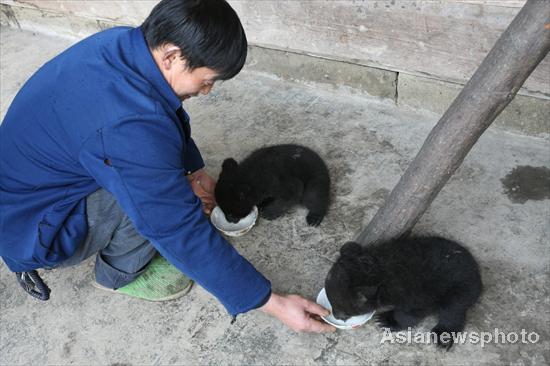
x: 192, y: 157
x: 141, y: 161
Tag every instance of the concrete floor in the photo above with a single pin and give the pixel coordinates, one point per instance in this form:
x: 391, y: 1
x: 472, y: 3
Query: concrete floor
x: 367, y: 144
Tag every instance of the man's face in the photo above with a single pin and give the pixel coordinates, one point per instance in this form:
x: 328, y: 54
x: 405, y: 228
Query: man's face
x: 185, y: 83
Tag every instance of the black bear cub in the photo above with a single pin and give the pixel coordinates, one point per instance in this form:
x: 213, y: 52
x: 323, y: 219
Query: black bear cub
x: 274, y: 178
x: 405, y: 280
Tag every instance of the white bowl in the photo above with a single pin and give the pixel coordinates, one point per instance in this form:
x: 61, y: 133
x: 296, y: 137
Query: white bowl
x: 351, y: 323
x: 233, y: 229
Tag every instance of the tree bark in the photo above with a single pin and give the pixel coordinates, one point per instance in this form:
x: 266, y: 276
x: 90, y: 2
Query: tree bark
x: 514, y: 56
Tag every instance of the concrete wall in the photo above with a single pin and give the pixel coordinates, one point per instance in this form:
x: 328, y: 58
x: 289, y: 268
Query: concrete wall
x: 433, y: 46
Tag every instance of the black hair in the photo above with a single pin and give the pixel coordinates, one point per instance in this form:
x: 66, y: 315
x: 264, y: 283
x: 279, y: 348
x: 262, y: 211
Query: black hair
x: 208, y: 33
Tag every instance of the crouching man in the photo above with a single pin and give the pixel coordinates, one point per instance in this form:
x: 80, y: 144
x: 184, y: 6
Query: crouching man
x: 97, y: 159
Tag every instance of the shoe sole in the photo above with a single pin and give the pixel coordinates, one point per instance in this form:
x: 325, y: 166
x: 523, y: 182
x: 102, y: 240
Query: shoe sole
x: 183, y: 292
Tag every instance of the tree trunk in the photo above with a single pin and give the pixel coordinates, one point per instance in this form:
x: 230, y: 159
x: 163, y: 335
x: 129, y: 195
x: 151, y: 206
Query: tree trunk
x: 515, y: 55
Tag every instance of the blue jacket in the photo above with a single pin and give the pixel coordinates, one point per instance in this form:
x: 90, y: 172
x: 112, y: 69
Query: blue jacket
x: 102, y: 115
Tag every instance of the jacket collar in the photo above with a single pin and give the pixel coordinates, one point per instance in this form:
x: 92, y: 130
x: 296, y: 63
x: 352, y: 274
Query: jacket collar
x: 143, y: 62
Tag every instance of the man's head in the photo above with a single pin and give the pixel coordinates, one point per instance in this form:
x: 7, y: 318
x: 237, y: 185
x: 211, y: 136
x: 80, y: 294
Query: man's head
x: 195, y: 43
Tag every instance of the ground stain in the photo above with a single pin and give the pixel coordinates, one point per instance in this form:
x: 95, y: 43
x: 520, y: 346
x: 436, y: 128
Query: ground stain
x: 525, y: 183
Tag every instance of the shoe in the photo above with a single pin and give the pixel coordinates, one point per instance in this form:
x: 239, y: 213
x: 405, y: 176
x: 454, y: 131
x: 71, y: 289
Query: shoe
x: 161, y: 281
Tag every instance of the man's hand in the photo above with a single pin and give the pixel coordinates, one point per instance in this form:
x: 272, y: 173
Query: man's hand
x: 203, y: 186
x: 297, y: 313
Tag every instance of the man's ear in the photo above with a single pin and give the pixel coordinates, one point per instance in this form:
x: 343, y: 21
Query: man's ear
x: 230, y: 164
x: 170, y: 53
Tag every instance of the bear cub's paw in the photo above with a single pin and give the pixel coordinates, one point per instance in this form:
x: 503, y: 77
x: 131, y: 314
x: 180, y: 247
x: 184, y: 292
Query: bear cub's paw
x: 387, y: 320
x: 444, y: 337
x: 314, y: 219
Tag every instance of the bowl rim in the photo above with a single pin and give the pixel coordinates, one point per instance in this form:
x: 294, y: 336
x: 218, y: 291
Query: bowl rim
x: 320, y: 300
x: 244, y: 230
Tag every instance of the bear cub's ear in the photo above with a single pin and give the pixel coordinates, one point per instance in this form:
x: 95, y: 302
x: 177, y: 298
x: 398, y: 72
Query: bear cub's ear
x: 229, y: 164
x: 351, y: 249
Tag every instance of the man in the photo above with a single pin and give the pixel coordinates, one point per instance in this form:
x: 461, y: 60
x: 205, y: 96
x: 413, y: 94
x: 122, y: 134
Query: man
x: 97, y: 158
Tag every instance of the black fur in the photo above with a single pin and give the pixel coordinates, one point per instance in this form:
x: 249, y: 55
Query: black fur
x: 274, y: 178
x: 406, y: 280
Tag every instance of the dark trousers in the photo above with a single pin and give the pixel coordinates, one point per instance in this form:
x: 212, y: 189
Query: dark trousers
x: 122, y: 254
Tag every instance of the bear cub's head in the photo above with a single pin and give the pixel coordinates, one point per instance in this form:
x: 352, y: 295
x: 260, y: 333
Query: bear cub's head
x: 234, y: 194
x: 353, y: 282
